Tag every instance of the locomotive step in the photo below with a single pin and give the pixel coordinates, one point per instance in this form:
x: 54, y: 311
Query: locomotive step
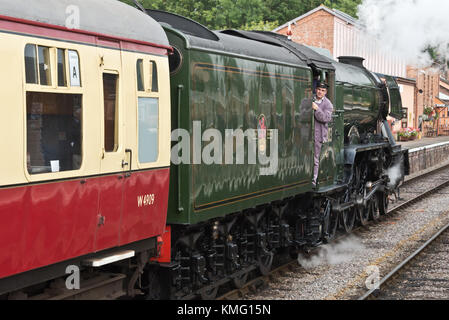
x: 107, y: 259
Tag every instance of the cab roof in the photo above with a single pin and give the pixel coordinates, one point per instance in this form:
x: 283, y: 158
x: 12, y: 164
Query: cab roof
x: 255, y: 44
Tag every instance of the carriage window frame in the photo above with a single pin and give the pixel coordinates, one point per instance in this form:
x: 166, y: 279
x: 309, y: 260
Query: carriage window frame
x: 148, y: 116
x: 54, y: 132
x: 154, y: 76
x: 51, y: 102
x: 74, y: 65
x: 61, y: 67
x: 140, y: 74
x: 148, y: 112
x: 111, y: 135
x: 31, y: 67
x: 38, y: 58
x: 44, y: 66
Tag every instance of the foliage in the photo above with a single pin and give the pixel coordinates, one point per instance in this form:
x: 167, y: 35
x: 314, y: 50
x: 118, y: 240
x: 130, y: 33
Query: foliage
x: 244, y: 14
x: 408, y: 132
x: 347, y: 6
x: 428, y: 110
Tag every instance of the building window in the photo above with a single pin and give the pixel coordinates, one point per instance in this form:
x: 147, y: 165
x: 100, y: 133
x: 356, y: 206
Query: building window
x: 54, y: 132
x: 140, y: 80
x: 148, y: 130
x: 154, y: 81
x: 110, y: 86
x: 404, y: 123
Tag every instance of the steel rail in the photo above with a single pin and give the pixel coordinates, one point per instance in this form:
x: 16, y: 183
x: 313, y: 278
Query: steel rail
x: 238, y: 293
x: 371, y: 292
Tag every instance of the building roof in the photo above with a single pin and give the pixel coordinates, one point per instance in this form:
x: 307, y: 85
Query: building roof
x: 106, y: 17
x: 406, y: 80
x: 438, y: 102
x: 443, y: 96
x: 337, y: 13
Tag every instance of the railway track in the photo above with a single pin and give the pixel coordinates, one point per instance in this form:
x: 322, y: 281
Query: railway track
x: 422, y: 275
x: 262, y: 281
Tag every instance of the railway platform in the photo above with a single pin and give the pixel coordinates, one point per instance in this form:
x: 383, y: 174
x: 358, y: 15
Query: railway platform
x: 427, y: 154
x: 424, y: 142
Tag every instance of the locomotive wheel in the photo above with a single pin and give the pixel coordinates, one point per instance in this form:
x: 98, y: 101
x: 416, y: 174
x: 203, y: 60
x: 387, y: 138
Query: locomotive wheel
x: 364, y: 214
x: 331, y: 221
x: 374, y: 210
x: 383, y: 203
x: 209, y: 294
x: 265, y: 262
x: 264, y: 257
x: 347, y: 217
x: 361, y: 175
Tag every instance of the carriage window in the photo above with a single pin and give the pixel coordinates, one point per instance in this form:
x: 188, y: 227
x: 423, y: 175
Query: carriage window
x: 154, y: 82
x: 74, y: 69
x: 110, y: 87
x: 54, y: 132
x: 31, y: 63
x: 62, y: 79
x: 148, y: 129
x: 44, y: 65
x: 140, y: 82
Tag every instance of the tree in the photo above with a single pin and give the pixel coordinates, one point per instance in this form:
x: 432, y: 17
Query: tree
x: 347, y: 6
x: 244, y: 14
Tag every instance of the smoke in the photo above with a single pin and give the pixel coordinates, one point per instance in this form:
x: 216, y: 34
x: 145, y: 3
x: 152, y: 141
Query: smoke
x: 333, y: 254
x: 408, y: 27
x: 394, y: 174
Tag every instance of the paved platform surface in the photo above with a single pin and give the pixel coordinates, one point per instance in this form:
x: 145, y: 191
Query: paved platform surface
x: 423, y: 142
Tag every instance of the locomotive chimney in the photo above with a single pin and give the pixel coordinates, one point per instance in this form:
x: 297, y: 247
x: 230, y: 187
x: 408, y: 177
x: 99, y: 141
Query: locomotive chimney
x: 355, y: 61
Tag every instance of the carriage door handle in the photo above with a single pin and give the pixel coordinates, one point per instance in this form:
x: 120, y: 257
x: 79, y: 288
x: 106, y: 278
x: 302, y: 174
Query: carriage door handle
x: 128, y: 174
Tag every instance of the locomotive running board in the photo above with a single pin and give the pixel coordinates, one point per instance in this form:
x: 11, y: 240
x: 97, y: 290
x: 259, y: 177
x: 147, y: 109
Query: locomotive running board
x: 104, y: 260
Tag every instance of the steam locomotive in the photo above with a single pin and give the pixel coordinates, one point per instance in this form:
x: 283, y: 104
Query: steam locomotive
x: 93, y: 112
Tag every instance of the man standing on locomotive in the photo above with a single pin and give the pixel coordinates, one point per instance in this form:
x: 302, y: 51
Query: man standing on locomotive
x: 323, y: 115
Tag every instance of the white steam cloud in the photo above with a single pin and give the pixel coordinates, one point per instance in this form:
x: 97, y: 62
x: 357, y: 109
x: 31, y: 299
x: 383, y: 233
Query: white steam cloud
x: 408, y: 27
x: 333, y: 254
x: 394, y: 174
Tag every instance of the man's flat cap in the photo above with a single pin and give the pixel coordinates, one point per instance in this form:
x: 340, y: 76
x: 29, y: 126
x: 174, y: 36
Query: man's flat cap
x: 323, y: 85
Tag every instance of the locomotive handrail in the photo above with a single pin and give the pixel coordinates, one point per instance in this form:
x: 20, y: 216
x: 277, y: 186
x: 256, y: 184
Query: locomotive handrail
x: 180, y: 208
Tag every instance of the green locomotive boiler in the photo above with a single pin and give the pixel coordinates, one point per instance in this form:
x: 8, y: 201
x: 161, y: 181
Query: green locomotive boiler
x: 241, y: 189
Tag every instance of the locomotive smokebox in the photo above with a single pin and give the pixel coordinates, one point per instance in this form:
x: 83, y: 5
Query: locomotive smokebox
x: 355, y: 61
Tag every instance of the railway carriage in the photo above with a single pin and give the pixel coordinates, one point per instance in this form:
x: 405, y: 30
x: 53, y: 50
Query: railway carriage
x: 85, y: 138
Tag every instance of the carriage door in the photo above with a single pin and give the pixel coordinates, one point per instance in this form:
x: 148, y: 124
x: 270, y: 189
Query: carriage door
x: 112, y: 153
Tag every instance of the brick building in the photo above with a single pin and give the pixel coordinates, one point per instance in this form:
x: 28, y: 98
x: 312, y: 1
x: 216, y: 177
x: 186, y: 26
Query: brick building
x: 427, y: 89
x: 443, y: 123
x: 342, y: 35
